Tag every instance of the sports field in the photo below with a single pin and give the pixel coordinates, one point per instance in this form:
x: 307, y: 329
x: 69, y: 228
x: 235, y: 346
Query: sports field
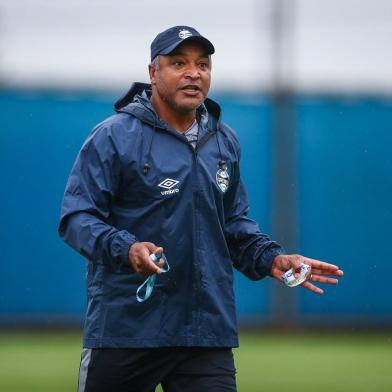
x: 339, y: 361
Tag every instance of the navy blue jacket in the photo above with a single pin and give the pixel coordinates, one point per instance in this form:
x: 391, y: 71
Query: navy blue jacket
x: 112, y: 199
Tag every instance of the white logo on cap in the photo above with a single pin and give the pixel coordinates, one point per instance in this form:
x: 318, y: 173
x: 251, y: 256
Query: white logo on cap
x: 184, y: 34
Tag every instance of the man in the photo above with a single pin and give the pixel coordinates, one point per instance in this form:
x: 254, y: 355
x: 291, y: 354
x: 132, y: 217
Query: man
x: 162, y: 175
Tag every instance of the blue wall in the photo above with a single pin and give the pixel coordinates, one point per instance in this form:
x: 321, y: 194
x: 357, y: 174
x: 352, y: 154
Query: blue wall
x: 345, y: 213
x: 344, y: 216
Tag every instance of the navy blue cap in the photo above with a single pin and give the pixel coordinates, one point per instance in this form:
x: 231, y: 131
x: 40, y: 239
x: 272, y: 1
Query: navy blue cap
x: 165, y: 42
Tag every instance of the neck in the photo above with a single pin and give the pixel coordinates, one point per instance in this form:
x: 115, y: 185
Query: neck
x: 180, y: 121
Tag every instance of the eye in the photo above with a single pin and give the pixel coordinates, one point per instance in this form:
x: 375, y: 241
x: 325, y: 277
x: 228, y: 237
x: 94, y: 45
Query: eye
x: 203, y: 66
x: 178, y: 63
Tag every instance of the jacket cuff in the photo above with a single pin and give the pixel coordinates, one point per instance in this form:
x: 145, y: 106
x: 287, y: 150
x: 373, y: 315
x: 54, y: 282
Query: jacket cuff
x: 120, y: 247
x: 269, y: 257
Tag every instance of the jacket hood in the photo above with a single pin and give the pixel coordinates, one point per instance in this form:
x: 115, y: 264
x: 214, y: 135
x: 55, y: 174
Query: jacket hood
x: 136, y: 102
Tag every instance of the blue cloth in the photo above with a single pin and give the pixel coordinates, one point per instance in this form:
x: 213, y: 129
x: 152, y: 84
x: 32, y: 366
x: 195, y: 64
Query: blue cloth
x: 112, y: 199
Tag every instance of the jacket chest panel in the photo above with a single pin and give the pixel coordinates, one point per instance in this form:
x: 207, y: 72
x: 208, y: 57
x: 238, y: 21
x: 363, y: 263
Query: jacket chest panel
x: 175, y: 171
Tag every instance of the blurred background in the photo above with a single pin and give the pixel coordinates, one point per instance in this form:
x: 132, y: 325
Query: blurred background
x: 307, y: 85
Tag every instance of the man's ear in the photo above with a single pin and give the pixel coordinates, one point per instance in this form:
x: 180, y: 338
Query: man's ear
x: 151, y: 71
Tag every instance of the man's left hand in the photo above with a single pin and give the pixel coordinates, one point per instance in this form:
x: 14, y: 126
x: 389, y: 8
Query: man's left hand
x: 320, y: 270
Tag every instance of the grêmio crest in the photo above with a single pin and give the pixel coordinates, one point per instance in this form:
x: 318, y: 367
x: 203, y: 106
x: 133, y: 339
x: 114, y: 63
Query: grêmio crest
x: 222, y: 178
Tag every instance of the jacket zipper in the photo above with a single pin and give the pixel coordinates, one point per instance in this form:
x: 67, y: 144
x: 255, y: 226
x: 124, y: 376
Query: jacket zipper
x: 196, y: 241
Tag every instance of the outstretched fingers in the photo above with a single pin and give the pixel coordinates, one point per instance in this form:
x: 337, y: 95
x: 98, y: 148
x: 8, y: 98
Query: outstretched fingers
x: 316, y: 277
x: 312, y: 287
x: 318, y: 271
x: 321, y: 265
x: 322, y: 279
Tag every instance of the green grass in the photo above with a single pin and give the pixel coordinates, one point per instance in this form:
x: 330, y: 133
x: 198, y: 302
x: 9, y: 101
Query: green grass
x: 315, y: 362
x: 268, y: 362
x: 32, y: 362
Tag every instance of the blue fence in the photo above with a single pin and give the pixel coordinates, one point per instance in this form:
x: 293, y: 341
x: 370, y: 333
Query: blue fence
x: 344, y: 167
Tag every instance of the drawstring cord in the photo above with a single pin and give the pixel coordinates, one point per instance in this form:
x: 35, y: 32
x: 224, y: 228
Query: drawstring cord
x: 146, y: 167
x: 222, y: 163
x: 150, y: 281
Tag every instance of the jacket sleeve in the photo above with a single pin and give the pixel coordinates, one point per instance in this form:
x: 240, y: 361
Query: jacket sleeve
x: 252, y: 252
x: 85, y: 213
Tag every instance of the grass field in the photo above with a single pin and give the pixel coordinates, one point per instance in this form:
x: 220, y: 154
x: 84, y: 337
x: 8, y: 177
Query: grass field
x: 340, y: 361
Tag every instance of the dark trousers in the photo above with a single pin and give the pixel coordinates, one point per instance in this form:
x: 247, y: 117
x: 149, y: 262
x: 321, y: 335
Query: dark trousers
x: 177, y: 369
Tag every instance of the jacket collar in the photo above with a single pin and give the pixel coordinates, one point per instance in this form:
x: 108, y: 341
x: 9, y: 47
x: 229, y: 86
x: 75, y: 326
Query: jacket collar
x: 136, y: 102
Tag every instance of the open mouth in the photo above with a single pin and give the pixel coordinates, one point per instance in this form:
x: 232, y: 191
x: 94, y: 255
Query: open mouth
x: 191, y: 88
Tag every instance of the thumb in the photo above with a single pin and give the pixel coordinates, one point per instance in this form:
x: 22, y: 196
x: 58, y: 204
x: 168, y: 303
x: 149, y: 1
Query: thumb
x: 158, y: 250
x: 296, y: 261
x: 150, y: 247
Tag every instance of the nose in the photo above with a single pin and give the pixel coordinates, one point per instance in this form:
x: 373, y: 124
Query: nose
x: 192, y: 72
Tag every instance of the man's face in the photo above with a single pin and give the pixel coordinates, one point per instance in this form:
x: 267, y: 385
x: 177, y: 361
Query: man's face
x: 183, y: 78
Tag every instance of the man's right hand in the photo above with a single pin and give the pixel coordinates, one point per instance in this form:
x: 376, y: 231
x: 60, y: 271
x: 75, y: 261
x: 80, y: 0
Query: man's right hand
x: 139, y: 258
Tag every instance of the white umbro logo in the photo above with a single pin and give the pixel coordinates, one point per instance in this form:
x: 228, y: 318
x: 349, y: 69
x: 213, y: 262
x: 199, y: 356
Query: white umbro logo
x: 168, y: 183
